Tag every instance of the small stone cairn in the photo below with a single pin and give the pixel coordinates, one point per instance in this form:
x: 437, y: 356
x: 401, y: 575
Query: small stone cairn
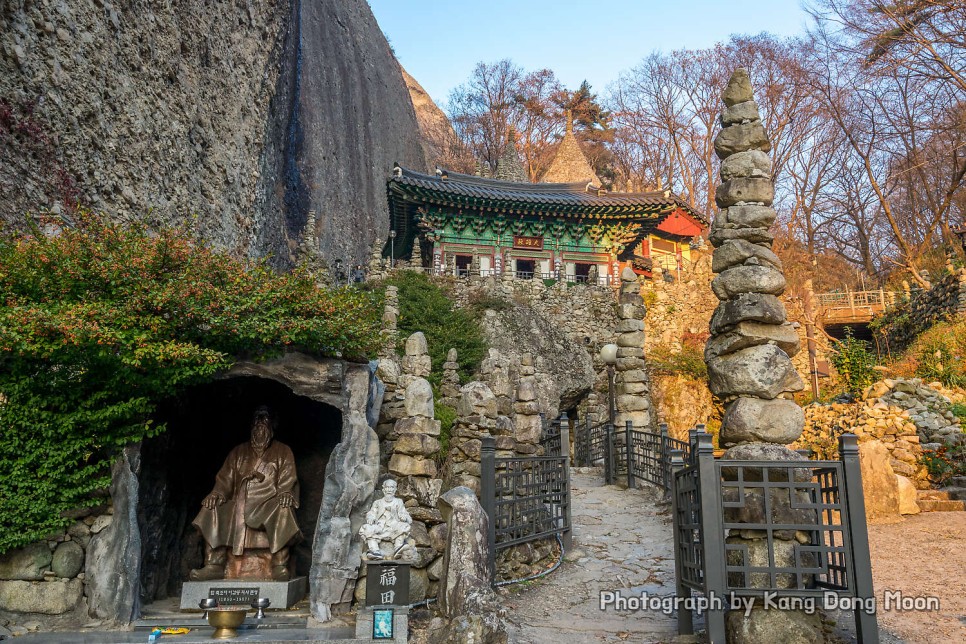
x: 417, y: 362
x: 390, y: 317
x: 527, y: 422
x: 633, y: 403
x: 476, y: 418
x: 449, y: 387
x: 417, y: 258
x: 497, y: 372
x: 748, y: 354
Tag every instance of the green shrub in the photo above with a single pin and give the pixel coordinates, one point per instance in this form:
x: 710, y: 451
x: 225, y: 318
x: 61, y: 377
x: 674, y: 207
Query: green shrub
x: 854, y: 362
x: 425, y: 307
x: 100, y: 322
x: 940, y: 354
x: 944, y: 463
x: 446, y: 416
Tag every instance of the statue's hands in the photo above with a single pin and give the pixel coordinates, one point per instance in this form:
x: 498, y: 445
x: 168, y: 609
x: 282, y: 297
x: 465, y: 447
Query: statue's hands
x: 286, y: 500
x: 213, y: 500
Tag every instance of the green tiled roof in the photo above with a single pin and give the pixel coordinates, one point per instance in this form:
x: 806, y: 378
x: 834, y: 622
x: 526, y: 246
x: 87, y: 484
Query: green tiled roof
x: 572, y: 200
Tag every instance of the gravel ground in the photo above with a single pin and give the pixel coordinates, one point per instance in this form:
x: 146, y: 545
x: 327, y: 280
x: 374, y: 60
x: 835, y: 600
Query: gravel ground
x: 622, y: 541
x: 924, y: 555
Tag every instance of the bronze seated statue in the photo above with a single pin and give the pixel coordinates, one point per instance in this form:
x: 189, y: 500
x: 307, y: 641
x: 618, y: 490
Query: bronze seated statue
x: 248, y: 520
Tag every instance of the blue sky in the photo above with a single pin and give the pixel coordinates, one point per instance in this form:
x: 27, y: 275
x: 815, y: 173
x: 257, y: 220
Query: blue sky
x: 440, y: 42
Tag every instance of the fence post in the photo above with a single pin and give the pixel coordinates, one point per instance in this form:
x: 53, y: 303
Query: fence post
x: 685, y: 621
x: 586, y: 459
x: 629, y: 453
x: 609, y: 464
x: 712, y: 535
x: 866, y: 626
x: 565, y: 453
x: 488, y: 497
x: 665, y: 459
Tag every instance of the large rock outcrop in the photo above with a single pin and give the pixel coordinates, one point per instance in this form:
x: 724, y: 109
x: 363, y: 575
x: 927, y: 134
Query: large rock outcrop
x: 247, y: 115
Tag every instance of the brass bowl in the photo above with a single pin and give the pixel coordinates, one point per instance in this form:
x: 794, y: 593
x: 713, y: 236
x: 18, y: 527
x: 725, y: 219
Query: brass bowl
x: 225, y: 621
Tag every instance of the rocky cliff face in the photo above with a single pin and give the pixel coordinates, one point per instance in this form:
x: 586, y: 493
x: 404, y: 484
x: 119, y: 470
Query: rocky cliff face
x: 246, y: 115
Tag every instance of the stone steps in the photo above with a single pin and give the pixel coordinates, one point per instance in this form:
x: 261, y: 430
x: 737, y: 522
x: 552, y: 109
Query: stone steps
x: 934, y: 505
x: 945, y: 500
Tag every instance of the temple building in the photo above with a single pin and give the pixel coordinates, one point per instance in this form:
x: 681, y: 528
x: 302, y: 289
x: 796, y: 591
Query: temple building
x: 565, y: 228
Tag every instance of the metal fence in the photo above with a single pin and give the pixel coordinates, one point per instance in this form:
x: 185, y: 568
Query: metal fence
x: 526, y: 497
x: 647, y: 460
x: 808, y: 518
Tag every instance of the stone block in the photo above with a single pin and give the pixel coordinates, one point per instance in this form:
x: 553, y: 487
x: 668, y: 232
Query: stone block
x: 740, y: 112
x: 403, y: 465
x: 424, y: 491
x: 757, y: 190
x: 416, y: 445
x: 763, y: 452
x: 739, y: 251
x: 634, y: 339
x: 632, y: 403
x: 879, y: 484
x: 738, y: 90
x: 476, y: 398
x: 748, y: 279
x: 750, y: 334
x: 753, y: 307
x: 416, y: 344
x: 25, y: 564
x: 416, y: 425
x: 750, y: 216
x: 720, y: 235
x: 755, y: 553
x: 764, y: 371
x: 625, y: 326
x: 419, y: 398
x: 68, y: 560
x: 437, y: 537
x: 630, y: 311
x: 755, y: 420
x: 283, y: 594
x: 741, y: 138
x: 46, y: 598
x: 528, y: 429
x: 908, y: 496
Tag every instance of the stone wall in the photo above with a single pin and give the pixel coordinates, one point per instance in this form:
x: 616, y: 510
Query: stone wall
x: 681, y: 307
x: 46, y: 580
x: 907, y: 416
x: 561, y: 326
x: 945, y: 300
x: 241, y: 115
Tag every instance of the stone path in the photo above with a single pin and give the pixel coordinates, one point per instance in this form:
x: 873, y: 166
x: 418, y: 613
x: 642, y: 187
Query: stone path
x: 622, y: 542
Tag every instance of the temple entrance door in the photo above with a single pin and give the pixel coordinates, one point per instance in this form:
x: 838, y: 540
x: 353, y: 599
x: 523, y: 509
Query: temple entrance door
x: 582, y: 272
x: 525, y: 269
x: 463, y: 265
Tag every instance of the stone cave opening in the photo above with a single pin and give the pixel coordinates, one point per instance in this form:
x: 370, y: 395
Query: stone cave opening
x: 178, y: 469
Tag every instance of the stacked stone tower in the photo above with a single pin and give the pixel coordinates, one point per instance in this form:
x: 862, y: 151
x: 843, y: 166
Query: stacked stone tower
x: 633, y: 403
x: 749, y: 352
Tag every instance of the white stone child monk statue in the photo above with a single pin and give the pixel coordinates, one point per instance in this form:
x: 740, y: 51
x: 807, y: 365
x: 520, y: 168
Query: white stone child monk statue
x: 387, y: 520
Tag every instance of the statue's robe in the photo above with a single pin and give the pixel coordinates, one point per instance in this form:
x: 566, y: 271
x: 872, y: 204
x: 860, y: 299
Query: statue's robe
x: 251, y: 516
x: 387, y: 519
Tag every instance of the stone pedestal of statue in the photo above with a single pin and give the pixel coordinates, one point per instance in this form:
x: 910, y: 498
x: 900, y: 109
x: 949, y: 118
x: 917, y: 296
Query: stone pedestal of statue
x: 241, y: 592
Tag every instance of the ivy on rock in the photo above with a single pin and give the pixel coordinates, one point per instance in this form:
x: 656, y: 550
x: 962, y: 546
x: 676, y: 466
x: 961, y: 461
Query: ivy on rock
x: 102, y: 320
